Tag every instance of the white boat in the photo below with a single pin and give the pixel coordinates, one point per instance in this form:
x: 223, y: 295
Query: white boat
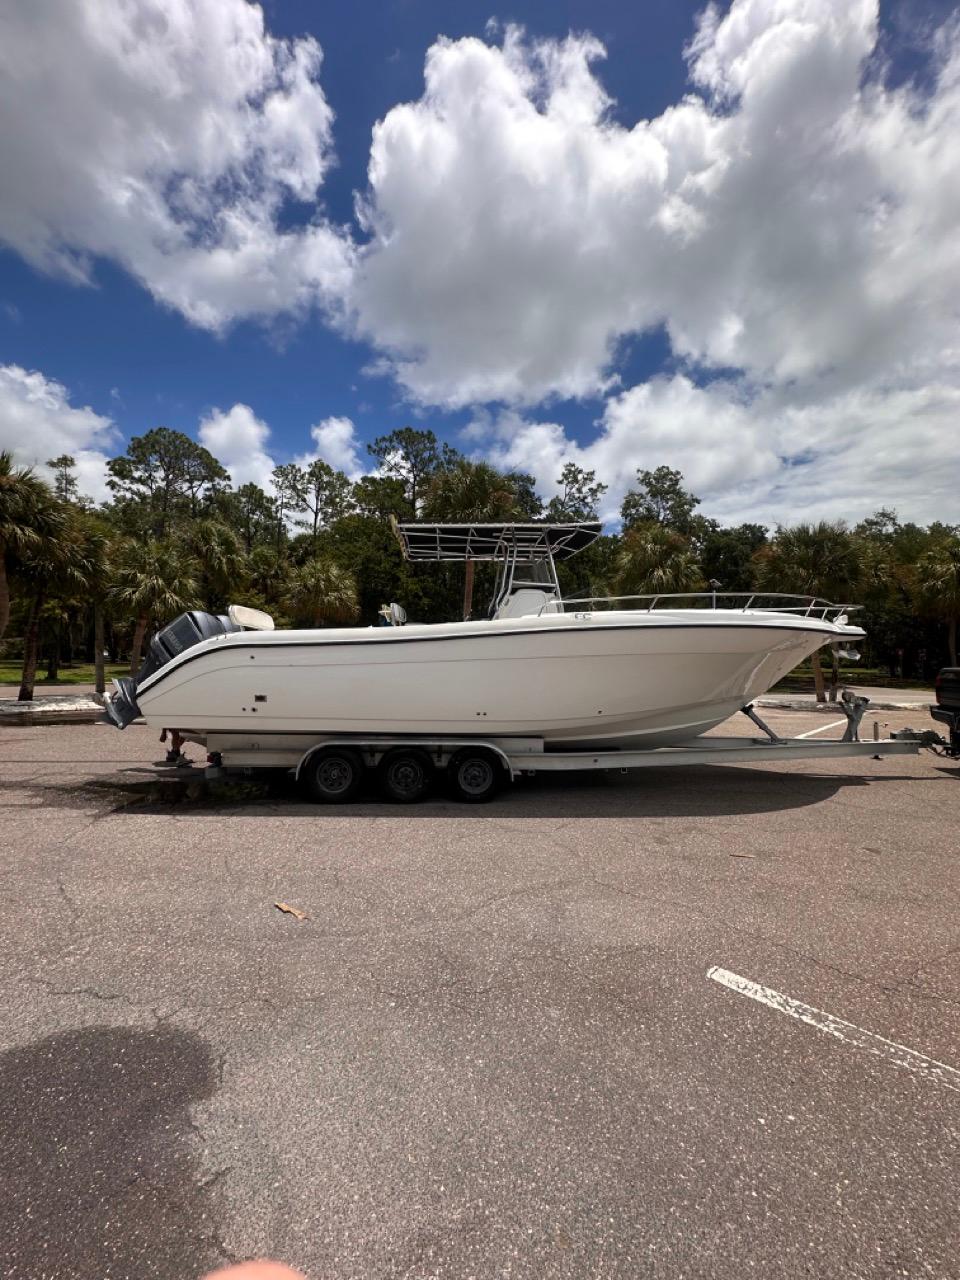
x: 639, y: 671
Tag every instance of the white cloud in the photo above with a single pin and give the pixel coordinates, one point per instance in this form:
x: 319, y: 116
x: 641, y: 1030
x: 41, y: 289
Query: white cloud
x: 335, y: 441
x: 794, y: 221
x: 166, y: 135
x: 37, y: 422
x: 791, y: 224
x: 759, y: 459
x: 238, y: 438
x: 848, y: 456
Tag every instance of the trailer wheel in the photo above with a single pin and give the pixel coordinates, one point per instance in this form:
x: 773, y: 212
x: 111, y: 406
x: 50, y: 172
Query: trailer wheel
x: 405, y: 774
x: 333, y: 776
x: 475, y: 775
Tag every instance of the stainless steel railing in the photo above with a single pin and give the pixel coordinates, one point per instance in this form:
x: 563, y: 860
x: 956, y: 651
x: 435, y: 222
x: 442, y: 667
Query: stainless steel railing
x: 805, y: 606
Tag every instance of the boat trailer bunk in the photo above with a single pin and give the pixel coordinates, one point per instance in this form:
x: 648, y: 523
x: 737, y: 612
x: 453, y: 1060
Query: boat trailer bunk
x: 332, y: 767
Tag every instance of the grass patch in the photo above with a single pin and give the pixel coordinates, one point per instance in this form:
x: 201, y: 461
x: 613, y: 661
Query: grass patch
x: 82, y: 674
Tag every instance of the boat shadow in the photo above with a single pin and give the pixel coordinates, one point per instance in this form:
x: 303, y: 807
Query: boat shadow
x: 682, y: 791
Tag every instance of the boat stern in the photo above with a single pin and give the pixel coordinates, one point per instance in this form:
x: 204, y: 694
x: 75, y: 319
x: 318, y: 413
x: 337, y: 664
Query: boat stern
x: 185, y: 632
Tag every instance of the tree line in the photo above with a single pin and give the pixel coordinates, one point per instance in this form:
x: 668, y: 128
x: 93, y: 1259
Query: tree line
x: 80, y: 580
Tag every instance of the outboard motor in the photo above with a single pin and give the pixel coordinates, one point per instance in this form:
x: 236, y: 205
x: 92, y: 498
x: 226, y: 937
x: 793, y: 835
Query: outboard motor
x: 181, y: 634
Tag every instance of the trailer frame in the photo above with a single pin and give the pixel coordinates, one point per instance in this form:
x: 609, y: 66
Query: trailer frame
x: 519, y: 756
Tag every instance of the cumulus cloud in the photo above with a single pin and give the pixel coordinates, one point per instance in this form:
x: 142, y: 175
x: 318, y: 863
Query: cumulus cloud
x: 665, y: 420
x: 335, y: 441
x: 794, y: 219
x: 238, y: 438
x: 848, y: 456
x: 757, y: 458
x: 790, y: 223
x: 38, y: 422
x: 166, y: 135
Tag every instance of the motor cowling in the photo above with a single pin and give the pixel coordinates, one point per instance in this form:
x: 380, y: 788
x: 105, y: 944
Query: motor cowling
x: 183, y: 633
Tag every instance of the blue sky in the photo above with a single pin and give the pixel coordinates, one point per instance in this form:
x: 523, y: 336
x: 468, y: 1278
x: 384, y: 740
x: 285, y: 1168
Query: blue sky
x: 667, y: 375
x: 115, y: 341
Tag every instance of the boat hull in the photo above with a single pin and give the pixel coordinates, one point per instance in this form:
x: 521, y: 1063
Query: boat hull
x: 569, y: 680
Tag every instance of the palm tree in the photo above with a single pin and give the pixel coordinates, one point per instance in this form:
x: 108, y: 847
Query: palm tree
x: 28, y: 514
x: 102, y: 550
x: 822, y: 559
x: 319, y: 591
x: 656, y: 560
x: 218, y: 551
x: 266, y: 579
x: 471, y: 491
x: 151, y: 581
x: 938, y: 587
x: 53, y: 566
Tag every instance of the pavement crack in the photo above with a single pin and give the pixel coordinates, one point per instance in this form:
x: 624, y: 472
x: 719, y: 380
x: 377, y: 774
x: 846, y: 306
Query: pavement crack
x: 216, y: 1241
x: 76, y: 913
x: 215, y: 1177
x: 913, y: 978
x: 452, y: 988
x: 752, y: 934
x: 92, y: 992
x: 597, y: 984
x: 208, y: 1234
x: 512, y: 895
x: 161, y: 1018
x: 924, y: 994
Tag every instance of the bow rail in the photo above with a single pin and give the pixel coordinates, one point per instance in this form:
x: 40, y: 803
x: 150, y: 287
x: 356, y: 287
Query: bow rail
x: 785, y: 602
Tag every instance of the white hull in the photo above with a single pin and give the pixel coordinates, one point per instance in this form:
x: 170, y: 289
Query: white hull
x: 647, y: 677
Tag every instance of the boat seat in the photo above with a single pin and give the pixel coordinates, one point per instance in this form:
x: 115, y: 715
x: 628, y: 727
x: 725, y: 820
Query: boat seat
x: 392, y: 615
x: 526, y: 602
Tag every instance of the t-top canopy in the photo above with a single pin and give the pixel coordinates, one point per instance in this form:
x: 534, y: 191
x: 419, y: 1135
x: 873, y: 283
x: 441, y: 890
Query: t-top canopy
x: 524, y: 542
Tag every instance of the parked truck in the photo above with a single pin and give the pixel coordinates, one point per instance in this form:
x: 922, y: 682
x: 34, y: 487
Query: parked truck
x: 947, y: 708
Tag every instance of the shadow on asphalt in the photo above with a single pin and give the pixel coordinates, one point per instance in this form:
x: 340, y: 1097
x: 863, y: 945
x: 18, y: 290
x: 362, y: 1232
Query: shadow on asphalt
x: 99, y: 1174
x: 692, y: 791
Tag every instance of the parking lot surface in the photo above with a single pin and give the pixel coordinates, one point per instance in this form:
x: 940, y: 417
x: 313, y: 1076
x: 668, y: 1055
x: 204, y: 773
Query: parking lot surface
x: 506, y: 1040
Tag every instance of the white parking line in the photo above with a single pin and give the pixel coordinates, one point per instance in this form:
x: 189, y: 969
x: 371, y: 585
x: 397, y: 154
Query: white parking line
x: 896, y: 1054
x: 822, y: 729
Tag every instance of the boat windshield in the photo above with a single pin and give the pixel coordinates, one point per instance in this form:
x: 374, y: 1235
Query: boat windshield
x: 514, y: 576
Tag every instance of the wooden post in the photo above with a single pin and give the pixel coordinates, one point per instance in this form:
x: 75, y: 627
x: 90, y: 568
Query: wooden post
x: 818, y: 678
x: 834, y: 673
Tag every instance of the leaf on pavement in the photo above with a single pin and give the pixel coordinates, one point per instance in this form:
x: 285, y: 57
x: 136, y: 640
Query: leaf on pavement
x: 286, y: 908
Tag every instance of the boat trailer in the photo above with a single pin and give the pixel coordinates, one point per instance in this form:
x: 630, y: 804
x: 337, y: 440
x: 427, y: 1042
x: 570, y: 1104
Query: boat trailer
x: 332, y: 767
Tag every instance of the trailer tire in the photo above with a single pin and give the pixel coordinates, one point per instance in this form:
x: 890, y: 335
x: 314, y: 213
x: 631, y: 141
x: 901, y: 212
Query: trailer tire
x: 333, y: 775
x: 405, y: 775
x: 475, y: 775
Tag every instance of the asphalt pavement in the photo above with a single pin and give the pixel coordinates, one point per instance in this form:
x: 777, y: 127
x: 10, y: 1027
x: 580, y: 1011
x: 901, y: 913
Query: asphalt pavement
x: 506, y: 1040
